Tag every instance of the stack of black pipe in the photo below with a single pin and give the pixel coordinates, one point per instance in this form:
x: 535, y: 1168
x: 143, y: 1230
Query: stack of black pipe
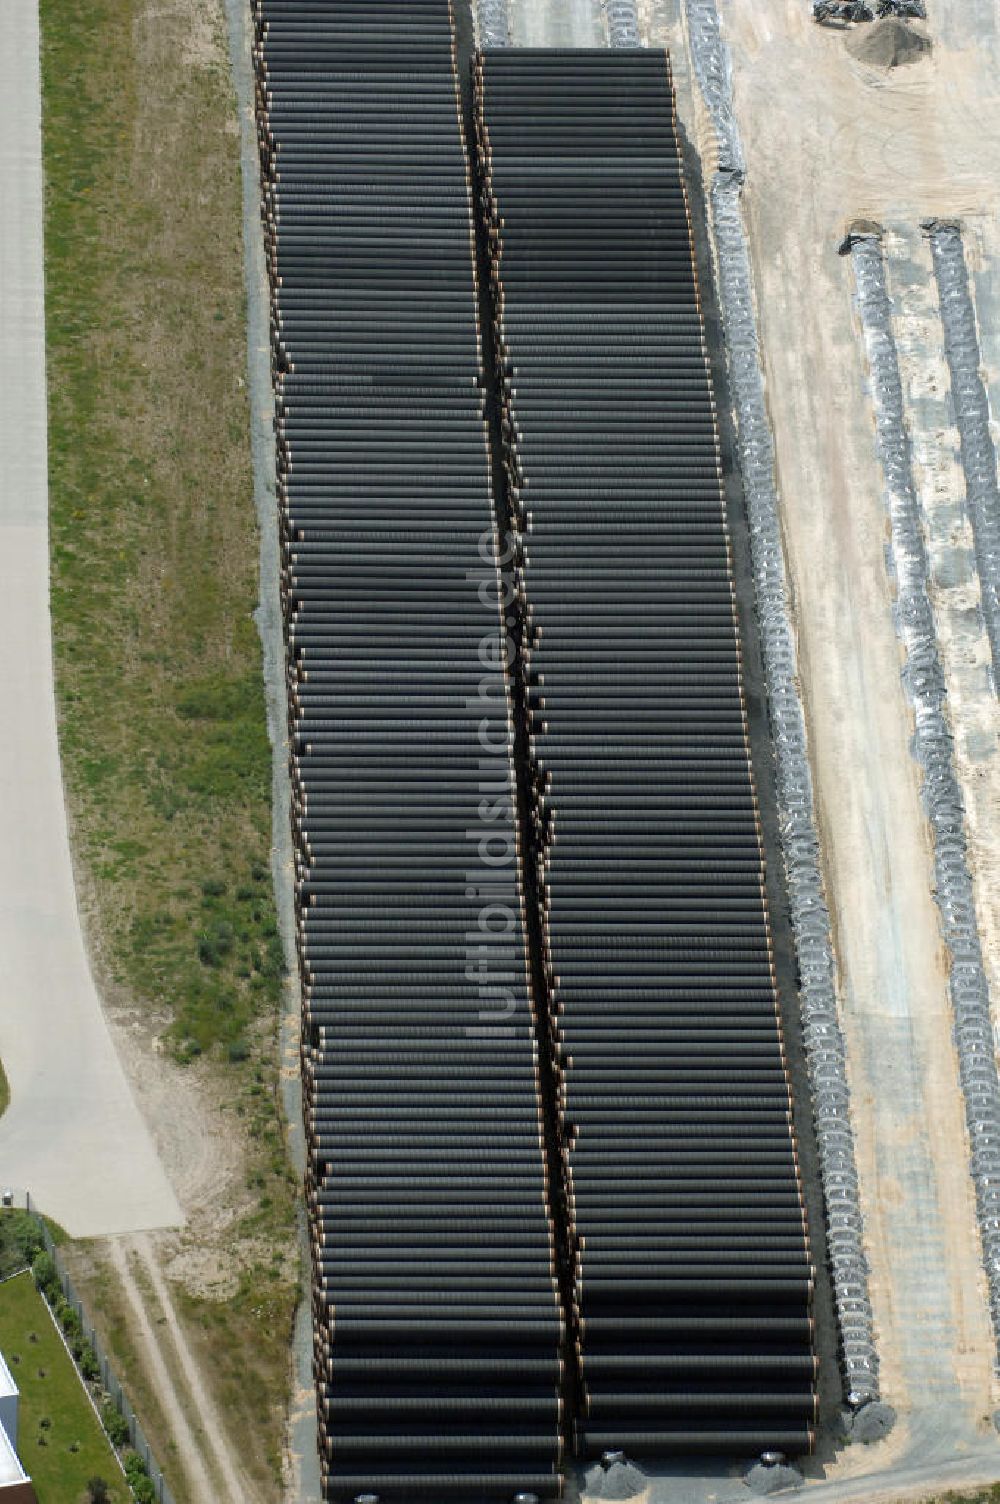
x: 693, y: 1280
x: 438, y: 1330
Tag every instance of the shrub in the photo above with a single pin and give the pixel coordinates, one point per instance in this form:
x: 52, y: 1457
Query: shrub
x: 215, y: 943
x: 115, y: 1424
x: 97, y: 1491
x: 46, y: 1277
x: 20, y: 1241
x: 71, y: 1325
x: 274, y: 959
x: 139, y: 1480
x: 87, y: 1359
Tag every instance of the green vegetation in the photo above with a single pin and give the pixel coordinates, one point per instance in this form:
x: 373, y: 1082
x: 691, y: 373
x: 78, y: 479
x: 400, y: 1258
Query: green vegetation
x: 46, y: 1278
x: 154, y: 582
x: 989, y: 1494
x: 108, y: 1309
x: 60, y: 1441
x: 154, y: 543
x: 4, y: 1091
x: 21, y: 1241
x: 115, y: 1424
x: 139, y: 1480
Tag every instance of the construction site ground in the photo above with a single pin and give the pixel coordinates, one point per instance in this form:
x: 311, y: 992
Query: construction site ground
x: 829, y: 141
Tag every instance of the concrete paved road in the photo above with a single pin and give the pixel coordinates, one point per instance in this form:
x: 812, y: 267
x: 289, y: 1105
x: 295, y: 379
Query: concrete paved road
x: 73, y: 1135
x: 559, y: 23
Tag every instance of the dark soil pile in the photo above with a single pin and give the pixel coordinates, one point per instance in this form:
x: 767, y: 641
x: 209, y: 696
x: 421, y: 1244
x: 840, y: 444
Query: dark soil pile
x: 888, y: 44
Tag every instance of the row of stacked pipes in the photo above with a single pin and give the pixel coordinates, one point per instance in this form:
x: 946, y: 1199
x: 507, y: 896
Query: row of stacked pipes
x: 692, y: 1280
x: 553, y: 1193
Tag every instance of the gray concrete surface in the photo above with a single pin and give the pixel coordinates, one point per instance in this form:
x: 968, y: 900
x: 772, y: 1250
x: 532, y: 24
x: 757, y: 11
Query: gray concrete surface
x: 492, y: 24
x: 557, y: 23
x: 73, y: 1135
x: 303, y: 1479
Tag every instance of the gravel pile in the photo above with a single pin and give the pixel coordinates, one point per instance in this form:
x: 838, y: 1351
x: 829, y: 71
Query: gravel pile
x: 891, y: 43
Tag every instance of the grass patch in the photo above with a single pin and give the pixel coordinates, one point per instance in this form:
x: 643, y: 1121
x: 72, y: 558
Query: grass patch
x: 154, y: 541
x: 20, y: 1241
x: 990, y: 1494
x: 225, y: 1327
x: 60, y: 1441
x: 4, y: 1091
x: 154, y: 559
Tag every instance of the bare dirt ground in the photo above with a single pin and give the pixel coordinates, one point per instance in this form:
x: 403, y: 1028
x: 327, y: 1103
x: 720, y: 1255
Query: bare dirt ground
x: 231, y: 1481
x: 191, y: 1447
x: 954, y: 580
x: 829, y: 140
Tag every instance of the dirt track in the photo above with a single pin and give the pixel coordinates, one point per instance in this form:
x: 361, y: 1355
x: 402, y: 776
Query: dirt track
x: 208, y: 1458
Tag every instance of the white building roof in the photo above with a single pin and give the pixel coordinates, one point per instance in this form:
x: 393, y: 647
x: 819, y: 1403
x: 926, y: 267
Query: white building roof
x: 11, y: 1470
x: 7, y: 1386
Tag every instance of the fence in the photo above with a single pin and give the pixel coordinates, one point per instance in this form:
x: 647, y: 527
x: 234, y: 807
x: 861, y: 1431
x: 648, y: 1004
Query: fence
x: 137, y: 1437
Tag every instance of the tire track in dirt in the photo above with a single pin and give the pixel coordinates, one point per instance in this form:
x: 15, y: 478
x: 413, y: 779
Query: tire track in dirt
x: 238, y: 1487
x: 189, y: 1449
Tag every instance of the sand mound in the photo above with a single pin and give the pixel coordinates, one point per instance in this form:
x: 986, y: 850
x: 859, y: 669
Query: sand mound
x: 888, y: 44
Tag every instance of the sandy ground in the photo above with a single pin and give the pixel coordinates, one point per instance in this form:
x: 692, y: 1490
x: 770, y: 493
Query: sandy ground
x: 828, y: 140
x: 73, y: 1135
x: 973, y: 704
